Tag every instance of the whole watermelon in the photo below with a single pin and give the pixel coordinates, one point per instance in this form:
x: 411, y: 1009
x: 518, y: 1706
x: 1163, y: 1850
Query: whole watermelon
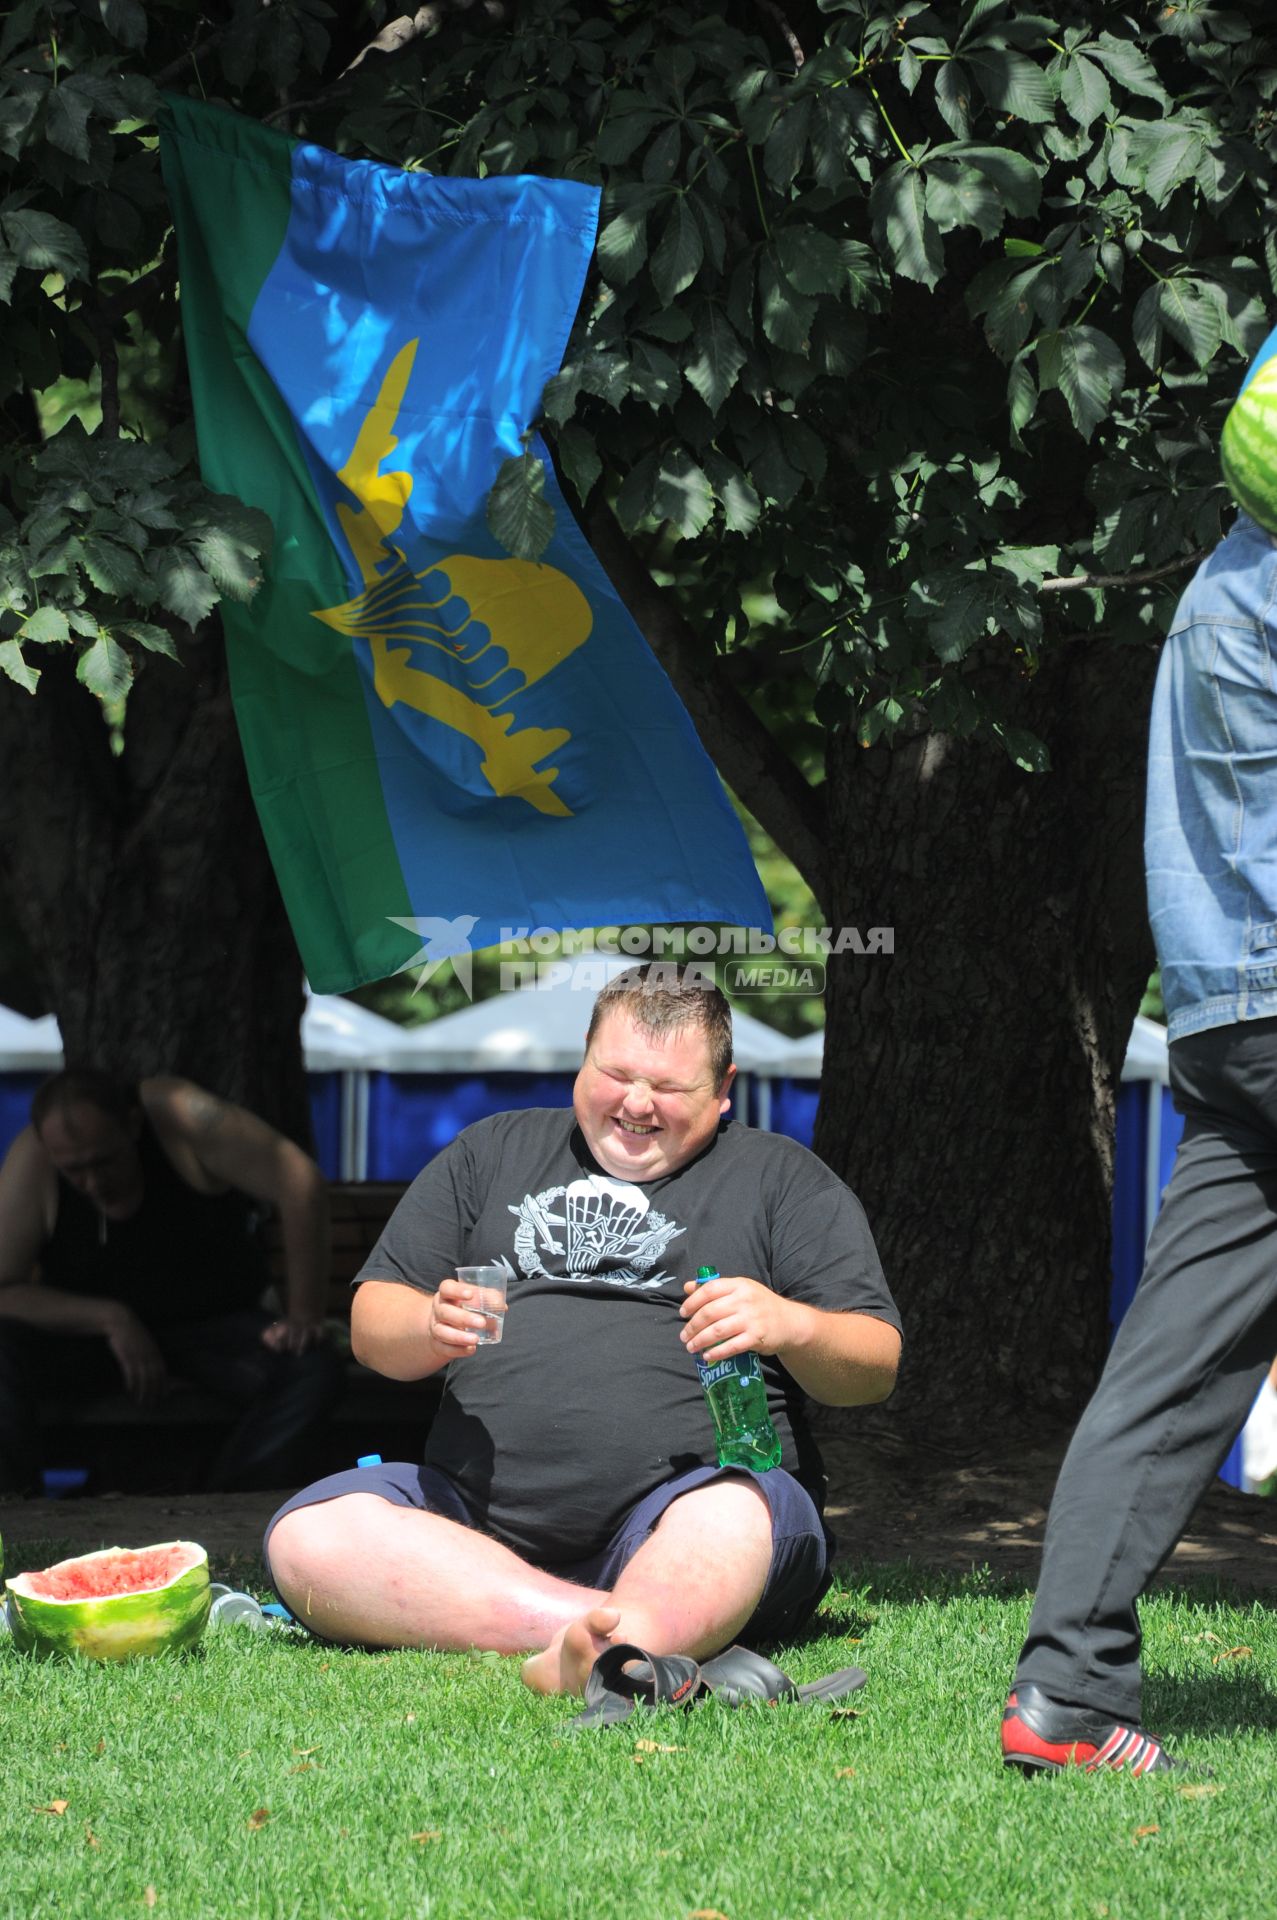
x: 1248, y: 447
x: 124, y: 1603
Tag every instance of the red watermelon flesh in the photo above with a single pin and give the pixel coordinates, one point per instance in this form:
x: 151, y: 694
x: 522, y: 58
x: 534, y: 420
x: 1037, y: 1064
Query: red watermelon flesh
x: 126, y: 1570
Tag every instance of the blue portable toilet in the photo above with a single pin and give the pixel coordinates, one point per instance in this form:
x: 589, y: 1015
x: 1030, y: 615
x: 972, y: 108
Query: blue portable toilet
x: 520, y: 1048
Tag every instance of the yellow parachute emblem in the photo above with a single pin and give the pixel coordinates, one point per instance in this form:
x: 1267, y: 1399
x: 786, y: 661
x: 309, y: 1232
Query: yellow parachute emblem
x: 494, y: 626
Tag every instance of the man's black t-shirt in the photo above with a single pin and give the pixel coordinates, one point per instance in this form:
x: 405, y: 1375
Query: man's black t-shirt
x: 590, y: 1401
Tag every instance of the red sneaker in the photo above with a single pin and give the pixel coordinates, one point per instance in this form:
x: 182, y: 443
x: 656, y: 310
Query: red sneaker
x: 1040, y: 1736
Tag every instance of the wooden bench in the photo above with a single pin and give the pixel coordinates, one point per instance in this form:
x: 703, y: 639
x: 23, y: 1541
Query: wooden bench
x: 374, y: 1414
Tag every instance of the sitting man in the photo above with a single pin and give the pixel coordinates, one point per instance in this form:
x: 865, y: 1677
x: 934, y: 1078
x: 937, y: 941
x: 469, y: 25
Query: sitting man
x: 570, y: 1495
x: 127, y: 1254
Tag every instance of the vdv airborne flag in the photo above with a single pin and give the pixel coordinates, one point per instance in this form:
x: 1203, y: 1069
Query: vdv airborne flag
x: 433, y: 731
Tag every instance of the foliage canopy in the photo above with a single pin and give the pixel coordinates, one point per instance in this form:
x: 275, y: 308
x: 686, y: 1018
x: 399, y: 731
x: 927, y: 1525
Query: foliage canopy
x: 918, y: 317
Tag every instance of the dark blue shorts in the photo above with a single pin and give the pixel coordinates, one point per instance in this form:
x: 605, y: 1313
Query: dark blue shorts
x: 799, y: 1575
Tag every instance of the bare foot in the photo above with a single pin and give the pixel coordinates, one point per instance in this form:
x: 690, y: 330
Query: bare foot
x: 565, y: 1664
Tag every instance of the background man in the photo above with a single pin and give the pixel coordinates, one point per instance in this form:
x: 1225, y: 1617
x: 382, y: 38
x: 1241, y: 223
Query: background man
x: 127, y: 1254
x: 1200, y: 1334
x: 570, y: 1494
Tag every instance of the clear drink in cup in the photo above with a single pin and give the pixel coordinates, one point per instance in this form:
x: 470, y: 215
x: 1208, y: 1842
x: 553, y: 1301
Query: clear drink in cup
x: 488, y: 1284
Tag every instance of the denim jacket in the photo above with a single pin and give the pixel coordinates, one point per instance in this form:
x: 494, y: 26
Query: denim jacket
x: 1210, y: 830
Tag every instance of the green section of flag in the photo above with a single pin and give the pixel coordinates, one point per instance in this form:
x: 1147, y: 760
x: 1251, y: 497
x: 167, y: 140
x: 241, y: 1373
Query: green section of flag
x: 299, y: 699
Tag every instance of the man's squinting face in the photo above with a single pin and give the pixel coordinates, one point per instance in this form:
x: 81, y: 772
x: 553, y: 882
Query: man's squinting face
x: 645, y: 1106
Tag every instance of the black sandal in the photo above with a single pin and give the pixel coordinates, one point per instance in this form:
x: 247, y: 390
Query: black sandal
x: 738, y: 1676
x: 624, y: 1678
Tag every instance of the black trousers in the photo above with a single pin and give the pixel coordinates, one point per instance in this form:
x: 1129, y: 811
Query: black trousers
x: 1185, y: 1367
x: 282, y: 1399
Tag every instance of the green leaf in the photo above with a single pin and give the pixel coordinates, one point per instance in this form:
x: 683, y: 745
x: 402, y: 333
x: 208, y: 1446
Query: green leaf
x: 12, y: 663
x: 1022, y: 396
x: 786, y: 315
x: 786, y: 144
x: 953, y: 97
x: 106, y: 670
x: 1087, y: 367
x: 147, y: 634
x: 622, y: 245
x: 681, y: 493
x: 679, y: 253
x: 958, y: 196
x: 1129, y: 66
x: 901, y: 227
x: 1085, y: 91
x: 233, y: 568
x: 66, y: 124
x: 1012, y: 83
x: 1192, y: 314
x: 716, y: 359
x: 48, y: 626
x: 1015, y: 177
x: 44, y: 244
x: 184, y: 588
x: 519, y: 516
x: 125, y: 21
x: 1025, y: 749
x: 634, y: 499
x: 112, y: 568
x: 622, y: 135
x: 579, y: 459
x: 740, y: 504
x: 810, y: 260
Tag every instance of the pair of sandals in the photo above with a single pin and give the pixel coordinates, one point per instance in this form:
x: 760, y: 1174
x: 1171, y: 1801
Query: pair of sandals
x: 625, y: 1680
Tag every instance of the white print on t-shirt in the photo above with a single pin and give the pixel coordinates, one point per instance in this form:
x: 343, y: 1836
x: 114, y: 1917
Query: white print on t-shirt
x: 601, y: 1222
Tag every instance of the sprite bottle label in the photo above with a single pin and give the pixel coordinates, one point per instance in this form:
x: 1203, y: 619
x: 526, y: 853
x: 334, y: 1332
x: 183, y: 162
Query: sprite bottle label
x: 736, y: 1395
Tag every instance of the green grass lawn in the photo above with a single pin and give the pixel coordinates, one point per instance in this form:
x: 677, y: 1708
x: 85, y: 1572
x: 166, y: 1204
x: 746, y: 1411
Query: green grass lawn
x: 268, y: 1776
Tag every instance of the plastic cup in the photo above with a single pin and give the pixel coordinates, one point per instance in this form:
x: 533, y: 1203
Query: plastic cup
x: 489, y: 1285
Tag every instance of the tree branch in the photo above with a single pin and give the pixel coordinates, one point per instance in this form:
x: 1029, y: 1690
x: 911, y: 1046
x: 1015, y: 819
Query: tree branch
x: 1061, y: 582
x: 738, y: 742
x: 791, y: 38
x: 400, y: 33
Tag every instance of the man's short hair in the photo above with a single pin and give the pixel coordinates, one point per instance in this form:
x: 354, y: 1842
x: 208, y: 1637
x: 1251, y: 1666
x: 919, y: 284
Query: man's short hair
x: 662, y: 998
x: 83, y: 1087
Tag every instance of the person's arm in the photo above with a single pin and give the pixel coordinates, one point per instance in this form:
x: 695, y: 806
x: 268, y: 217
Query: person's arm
x: 408, y: 1334
x: 28, y: 1197
x: 233, y: 1148
x: 842, y: 1359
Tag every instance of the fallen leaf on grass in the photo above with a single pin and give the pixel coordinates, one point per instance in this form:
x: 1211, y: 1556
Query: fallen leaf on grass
x: 846, y: 1713
x: 854, y: 1640
x: 324, y: 1665
x: 150, y: 1897
x: 243, y: 1753
x: 1198, y: 1793
x: 258, y: 1818
x: 1233, y: 1653
x: 100, y: 1747
x: 426, y: 1836
x: 409, y: 1718
x: 305, y: 1766
x: 305, y: 1750
x: 844, y: 1773
x: 654, y: 1746
x: 1195, y: 1639
x: 706, y: 1913
x: 55, y: 1806
x: 1142, y: 1833
x: 90, y: 1838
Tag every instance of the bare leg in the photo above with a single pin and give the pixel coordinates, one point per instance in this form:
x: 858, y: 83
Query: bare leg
x: 367, y: 1573
x: 689, y: 1589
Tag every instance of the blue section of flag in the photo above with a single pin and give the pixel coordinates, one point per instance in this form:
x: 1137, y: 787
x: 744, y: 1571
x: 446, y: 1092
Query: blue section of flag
x: 536, y: 764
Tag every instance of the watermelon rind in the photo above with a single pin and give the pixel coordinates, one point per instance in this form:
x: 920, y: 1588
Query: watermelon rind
x: 1248, y: 447
x: 159, y: 1618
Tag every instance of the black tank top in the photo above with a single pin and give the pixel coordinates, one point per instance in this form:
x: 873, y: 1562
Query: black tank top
x: 182, y: 1256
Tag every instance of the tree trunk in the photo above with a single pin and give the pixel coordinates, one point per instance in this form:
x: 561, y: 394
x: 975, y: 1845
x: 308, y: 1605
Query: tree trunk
x: 142, y: 885
x: 969, y: 1081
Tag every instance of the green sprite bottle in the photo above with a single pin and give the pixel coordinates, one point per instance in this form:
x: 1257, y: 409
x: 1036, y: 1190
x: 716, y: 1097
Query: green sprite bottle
x: 737, y: 1399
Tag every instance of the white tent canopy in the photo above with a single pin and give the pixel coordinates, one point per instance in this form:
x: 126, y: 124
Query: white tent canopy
x: 541, y: 1029
x: 1146, y: 1055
